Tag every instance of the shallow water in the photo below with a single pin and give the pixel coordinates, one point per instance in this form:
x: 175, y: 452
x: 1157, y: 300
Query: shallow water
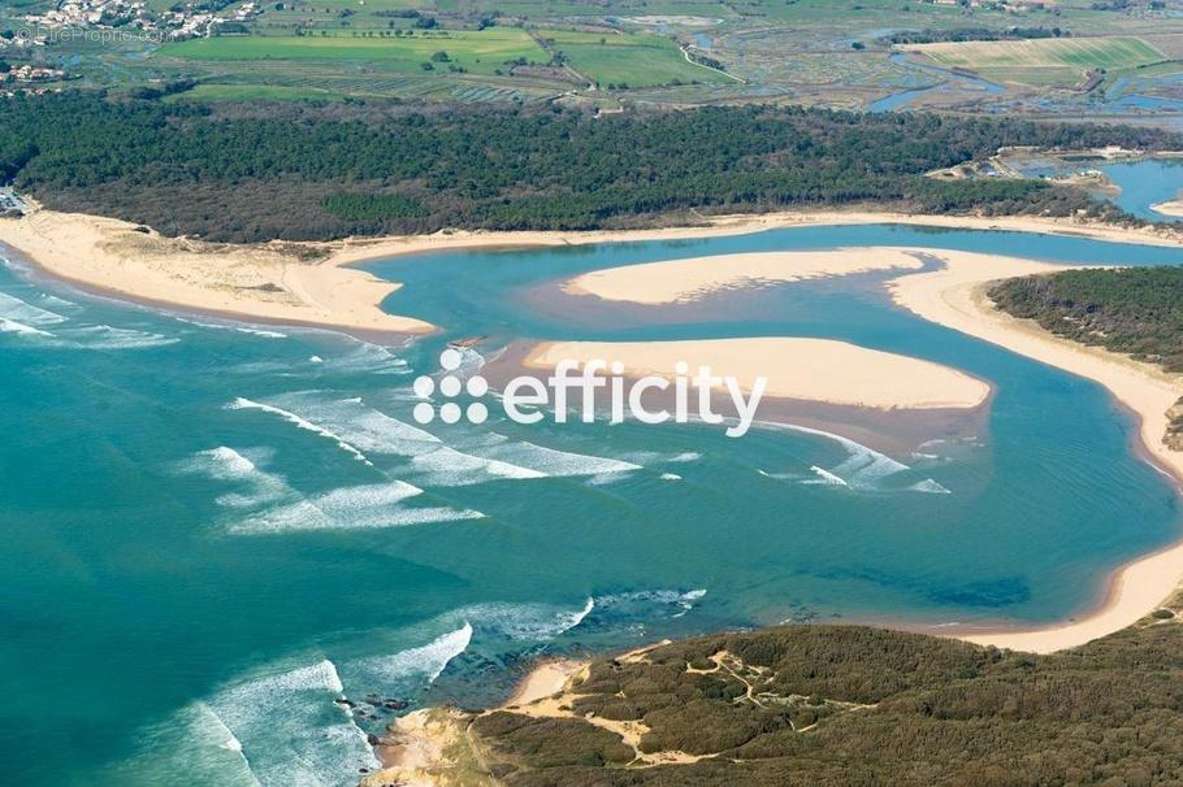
x: 1143, y: 183
x: 946, y: 79
x: 1146, y: 183
x: 212, y: 532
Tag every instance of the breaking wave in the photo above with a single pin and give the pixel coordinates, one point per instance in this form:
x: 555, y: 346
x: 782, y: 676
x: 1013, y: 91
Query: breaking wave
x: 351, y: 508
x: 288, y: 729
x: 367, y: 358
x: 864, y: 469
x: 525, y: 622
x: 16, y: 310
x: 252, y: 331
x: 22, y: 318
x: 282, y: 509
x: 226, y: 464
x: 417, y: 666
x: 473, y: 459
x: 246, y: 404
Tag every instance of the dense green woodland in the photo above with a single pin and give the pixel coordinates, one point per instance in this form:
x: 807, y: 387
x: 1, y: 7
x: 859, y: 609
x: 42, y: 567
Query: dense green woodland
x: 1132, y: 310
x: 262, y: 171
x: 851, y: 705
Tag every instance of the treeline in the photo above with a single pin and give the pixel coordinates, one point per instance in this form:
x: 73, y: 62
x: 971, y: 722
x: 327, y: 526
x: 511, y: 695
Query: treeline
x: 1138, y: 311
x: 833, y: 705
x: 300, y: 172
x: 933, y: 36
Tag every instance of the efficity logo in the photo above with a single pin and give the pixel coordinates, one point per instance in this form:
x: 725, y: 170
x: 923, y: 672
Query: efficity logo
x: 526, y: 399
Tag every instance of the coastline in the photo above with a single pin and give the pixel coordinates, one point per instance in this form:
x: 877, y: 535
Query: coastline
x: 92, y: 253
x: 955, y: 297
x: 273, y: 284
x: 316, y: 284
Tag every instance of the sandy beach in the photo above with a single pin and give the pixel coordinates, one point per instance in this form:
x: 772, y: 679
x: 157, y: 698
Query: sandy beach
x: 818, y: 370
x: 955, y: 297
x: 680, y: 281
x: 275, y: 283
x: 314, y: 284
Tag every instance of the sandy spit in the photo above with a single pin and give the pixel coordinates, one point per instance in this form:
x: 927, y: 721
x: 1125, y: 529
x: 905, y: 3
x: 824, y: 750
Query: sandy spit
x: 268, y: 283
x: 955, y: 297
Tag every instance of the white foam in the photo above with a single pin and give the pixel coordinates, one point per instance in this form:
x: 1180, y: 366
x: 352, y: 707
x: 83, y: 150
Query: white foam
x: 370, y: 359
x: 863, y: 469
x: 107, y: 337
x: 289, y: 729
x: 552, y: 462
x: 824, y: 477
x: 376, y: 432
x: 226, y: 464
x: 246, y: 404
x: 12, y: 326
x: 267, y: 334
x: 670, y: 477
x: 642, y: 601
x: 351, y: 508
x: 421, y: 665
x: 929, y: 486
x: 527, y: 622
x: 15, y: 309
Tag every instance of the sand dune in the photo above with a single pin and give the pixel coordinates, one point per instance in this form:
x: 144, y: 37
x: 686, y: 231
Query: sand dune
x: 819, y: 370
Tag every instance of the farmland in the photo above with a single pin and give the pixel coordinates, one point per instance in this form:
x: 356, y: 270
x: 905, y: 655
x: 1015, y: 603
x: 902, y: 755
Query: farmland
x: 613, y: 54
x: 481, y: 52
x: 1060, y: 56
x: 627, y: 59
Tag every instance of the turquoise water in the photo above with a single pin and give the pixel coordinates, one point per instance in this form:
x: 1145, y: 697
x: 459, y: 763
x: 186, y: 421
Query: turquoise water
x: 212, y: 531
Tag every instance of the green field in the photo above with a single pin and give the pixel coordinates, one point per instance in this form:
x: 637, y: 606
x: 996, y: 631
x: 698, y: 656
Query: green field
x: 1110, y: 53
x: 254, y: 93
x: 478, y: 52
x: 628, y: 59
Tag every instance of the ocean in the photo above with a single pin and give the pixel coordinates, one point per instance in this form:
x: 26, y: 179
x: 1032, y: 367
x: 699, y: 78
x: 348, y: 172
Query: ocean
x: 215, y: 534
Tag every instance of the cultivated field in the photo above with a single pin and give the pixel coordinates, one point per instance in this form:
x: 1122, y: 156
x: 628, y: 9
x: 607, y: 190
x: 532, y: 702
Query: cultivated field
x: 632, y: 59
x: 480, y: 52
x: 1110, y: 53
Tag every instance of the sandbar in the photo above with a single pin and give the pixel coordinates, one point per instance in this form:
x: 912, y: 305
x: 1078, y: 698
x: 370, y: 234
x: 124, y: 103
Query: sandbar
x: 818, y: 370
x: 684, y: 280
x: 1170, y: 208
